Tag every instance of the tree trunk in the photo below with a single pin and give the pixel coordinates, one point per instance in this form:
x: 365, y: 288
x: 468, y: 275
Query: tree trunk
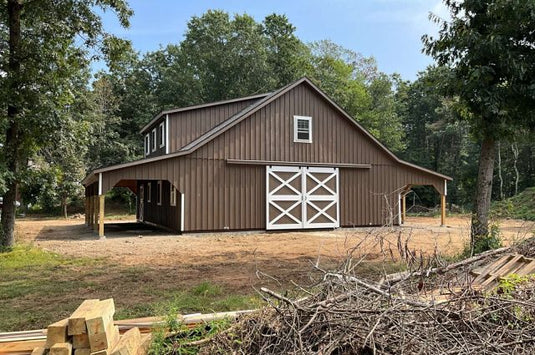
x: 500, y: 177
x: 480, y: 212
x: 514, y: 148
x: 64, y: 207
x: 12, y: 141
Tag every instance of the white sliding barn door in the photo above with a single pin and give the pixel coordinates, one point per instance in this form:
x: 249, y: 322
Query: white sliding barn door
x: 321, y: 207
x: 301, y: 197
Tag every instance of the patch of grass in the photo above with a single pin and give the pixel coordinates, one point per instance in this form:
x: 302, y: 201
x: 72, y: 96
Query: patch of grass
x: 38, y: 287
x: 205, y: 297
x: 521, y: 206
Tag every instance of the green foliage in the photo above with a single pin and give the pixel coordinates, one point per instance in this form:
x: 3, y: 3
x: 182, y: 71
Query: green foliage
x: 490, y: 241
x: 489, y: 48
x: 521, y: 206
x: 509, y: 284
x: 354, y: 82
x: 183, y: 337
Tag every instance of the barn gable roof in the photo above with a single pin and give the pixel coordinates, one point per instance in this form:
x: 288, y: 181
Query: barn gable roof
x: 265, y: 100
x: 196, y: 107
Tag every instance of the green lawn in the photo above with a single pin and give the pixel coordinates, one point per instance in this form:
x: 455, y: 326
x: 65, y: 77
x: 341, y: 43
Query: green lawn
x: 38, y: 287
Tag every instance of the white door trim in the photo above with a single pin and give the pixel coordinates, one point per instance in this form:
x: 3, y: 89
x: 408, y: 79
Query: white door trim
x: 302, y: 197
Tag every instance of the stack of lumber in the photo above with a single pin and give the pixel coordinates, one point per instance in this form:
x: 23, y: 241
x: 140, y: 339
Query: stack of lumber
x: 23, y: 342
x: 90, y: 330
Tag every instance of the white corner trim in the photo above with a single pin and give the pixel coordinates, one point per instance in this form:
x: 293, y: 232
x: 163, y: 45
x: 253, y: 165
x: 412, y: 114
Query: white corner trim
x: 399, y: 209
x: 166, y: 134
x: 445, y: 187
x: 182, y: 212
x: 100, y: 184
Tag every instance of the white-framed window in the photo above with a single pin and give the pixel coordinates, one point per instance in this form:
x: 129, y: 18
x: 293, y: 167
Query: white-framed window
x: 149, y: 191
x: 153, y: 139
x: 172, y: 196
x: 147, y: 144
x: 159, y: 193
x: 302, y: 129
x: 161, y: 133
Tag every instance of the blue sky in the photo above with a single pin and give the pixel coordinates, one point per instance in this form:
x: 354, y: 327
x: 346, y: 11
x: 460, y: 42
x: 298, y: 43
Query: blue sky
x: 389, y: 30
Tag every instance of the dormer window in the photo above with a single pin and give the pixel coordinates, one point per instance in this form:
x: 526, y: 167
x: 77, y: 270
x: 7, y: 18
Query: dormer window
x: 147, y: 144
x: 161, y: 133
x: 302, y: 129
x: 153, y: 139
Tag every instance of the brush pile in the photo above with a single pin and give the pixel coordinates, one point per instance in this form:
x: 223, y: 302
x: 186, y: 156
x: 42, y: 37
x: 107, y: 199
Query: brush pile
x: 344, y: 314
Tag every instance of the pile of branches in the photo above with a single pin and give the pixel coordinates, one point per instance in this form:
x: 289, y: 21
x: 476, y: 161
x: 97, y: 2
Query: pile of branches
x: 344, y: 314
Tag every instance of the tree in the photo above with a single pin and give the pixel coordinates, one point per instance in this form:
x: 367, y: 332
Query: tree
x: 490, y: 47
x: 354, y: 82
x: 47, y: 42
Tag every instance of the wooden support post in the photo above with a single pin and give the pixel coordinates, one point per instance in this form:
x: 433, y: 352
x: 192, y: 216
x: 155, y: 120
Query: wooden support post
x: 85, y: 209
x: 442, y: 210
x: 403, y: 208
x: 95, y: 212
x: 90, y: 211
x: 101, y: 216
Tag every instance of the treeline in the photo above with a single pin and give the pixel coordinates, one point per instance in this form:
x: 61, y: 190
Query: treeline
x: 224, y: 57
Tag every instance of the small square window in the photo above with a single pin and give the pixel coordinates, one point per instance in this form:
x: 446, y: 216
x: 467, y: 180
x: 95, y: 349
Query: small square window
x: 172, y: 196
x: 302, y: 129
x: 149, y: 191
x: 162, y: 134
x: 159, y: 193
x: 147, y: 144
x: 153, y: 138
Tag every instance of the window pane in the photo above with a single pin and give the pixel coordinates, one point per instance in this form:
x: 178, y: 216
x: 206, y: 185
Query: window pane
x: 303, y: 135
x: 302, y: 124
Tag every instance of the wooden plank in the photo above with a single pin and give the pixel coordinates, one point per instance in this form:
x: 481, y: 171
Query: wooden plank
x: 100, y: 317
x: 491, y: 266
x: 104, y: 341
x: 77, y: 318
x: 501, y: 271
x: 21, y: 346
x: 146, y: 341
x: 61, y: 349
x: 100, y: 328
x: 38, y: 351
x: 80, y: 341
x: 82, y: 351
x: 529, y: 268
x: 128, y: 343
x: 57, y: 333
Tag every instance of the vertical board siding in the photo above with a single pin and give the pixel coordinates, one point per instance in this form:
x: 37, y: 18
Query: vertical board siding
x: 186, y: 126
x: 221, y: 196
x: 163, y: 215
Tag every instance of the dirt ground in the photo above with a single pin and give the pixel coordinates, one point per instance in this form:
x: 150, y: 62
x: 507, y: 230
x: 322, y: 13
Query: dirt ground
x: 144, y: 246
x: 143, y: 268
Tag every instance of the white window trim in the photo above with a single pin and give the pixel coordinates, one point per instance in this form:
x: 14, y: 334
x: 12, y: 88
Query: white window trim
x: 149, y: 191
x: 161, y: 128
x: 154, y: 139
x: 159, y: 193
x: 309, y: 119
x: 147, y: 144
x: 172, y: 196
x: 166, y: 134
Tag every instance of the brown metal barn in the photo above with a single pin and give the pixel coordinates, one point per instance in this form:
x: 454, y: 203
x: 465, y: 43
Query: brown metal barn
x: 290, y: 159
